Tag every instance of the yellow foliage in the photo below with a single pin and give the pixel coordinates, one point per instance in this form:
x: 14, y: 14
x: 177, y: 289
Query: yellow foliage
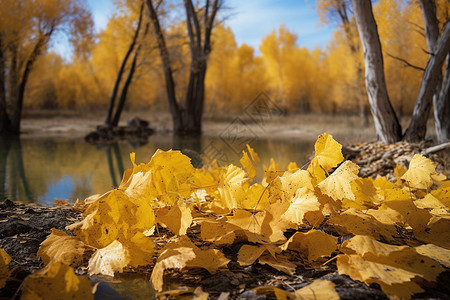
x: 378, y: 216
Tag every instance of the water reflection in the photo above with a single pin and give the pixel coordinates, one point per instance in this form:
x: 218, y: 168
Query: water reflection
x: 33, y: 169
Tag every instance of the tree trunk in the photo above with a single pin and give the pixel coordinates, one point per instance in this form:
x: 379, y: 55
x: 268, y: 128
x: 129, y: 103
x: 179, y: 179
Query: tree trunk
x: 112, y: 99
x: 168, y: 72
x: 417, y: 127
x: 386, y: 123
x: 200, y: 49
x: 432, y: 34
x: 5, y: 123
x: 442, y: 108
x: 18, y: 86
x: 123, y: 95
x: 354, y: 49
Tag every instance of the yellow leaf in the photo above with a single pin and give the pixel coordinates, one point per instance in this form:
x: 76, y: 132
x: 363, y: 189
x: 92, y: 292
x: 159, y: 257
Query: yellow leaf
x: 139, y: 250
x: 291, y: 182
x: 257, y: 197
x: 248, y: 165
x: 108, y: 260
x: 177, y: 219
x: 399, y: 171
x: 365, y: 192
x: 259, y: 227
x: 232, y: 187
x: 337, y: 185
x: 315, y: 244
x: 356, y: 222
x: 318, y: 289
x: 420, y: 172
x: 303, y: 202
x: 183, y: 253
x: 439, y: 254
x: 316, y: 171
x: 279, y: 262
x: 171, y: 171
x: 56, y: 281
x: 253, y: 154
x: 248, y: 254
x: 59, y: 246
x: 328, y: 152
x: 5, y: 259
x: 367, y: 246
x: 443, y: 193
x: 386, y: 276
x: 114, y: 217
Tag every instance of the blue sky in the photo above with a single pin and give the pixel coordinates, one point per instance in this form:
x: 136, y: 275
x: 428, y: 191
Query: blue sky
x: 251, y: 20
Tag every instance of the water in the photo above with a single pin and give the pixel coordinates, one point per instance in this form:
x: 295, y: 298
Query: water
x: 42, y: 169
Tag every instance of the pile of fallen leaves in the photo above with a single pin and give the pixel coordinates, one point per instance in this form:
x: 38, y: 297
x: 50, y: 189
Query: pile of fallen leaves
x: 379, y: 159
x: 394, y: 235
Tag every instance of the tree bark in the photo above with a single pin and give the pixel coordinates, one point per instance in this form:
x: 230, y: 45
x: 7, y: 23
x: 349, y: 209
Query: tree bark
x: 386, y: 123
x: 428, y: 8
x: 123, y: 94
x: 200, y: 51
x: 18, y: 85
x: 168, y: 72
x: 112, y: 99
x: 417, y: 127
x: 5, y: 123
x: 354, y: 49
x: 442, y: 108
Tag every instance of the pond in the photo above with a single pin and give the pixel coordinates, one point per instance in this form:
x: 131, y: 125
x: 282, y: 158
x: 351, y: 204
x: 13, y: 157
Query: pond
x: 41, y: 169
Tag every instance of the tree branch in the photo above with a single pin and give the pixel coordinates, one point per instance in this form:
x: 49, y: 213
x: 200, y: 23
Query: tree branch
x: 405, y: 62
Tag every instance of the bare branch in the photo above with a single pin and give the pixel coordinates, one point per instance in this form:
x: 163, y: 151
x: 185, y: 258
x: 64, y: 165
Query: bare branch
x: 405, y: 62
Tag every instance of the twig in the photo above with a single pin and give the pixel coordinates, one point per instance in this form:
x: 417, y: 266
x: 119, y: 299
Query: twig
x: 406, y: 62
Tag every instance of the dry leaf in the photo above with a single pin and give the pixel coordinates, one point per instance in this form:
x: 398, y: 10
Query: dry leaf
x: 183, y: 253
x: 59, y: 246
x: 56, y: 281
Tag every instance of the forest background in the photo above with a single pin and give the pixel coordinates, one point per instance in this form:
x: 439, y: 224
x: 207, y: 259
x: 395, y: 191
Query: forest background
x: 297, y: 79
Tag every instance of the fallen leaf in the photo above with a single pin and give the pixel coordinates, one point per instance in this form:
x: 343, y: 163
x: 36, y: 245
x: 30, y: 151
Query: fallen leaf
x: 183, y: 253
x: 314, y: 244
x: 176, y: 218
x: 5, y: 272
x: 420, y: 172
x: 56, y: 281
x: 328, y: 151
x: 248, y: 165
x: 59, y: 246
x: 337, y: 185
x: 437, y: 253
x: 318, y: 289
x: 108, y: 260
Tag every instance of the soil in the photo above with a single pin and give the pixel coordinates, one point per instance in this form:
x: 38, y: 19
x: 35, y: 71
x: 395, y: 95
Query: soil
x: 24, y: 227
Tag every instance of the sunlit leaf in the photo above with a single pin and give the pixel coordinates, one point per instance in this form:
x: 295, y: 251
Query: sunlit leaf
x: 338, y: 184
x: 328, y: 151
x: 62, y: 248
x: 108, y: 260
x: 420, y: 172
